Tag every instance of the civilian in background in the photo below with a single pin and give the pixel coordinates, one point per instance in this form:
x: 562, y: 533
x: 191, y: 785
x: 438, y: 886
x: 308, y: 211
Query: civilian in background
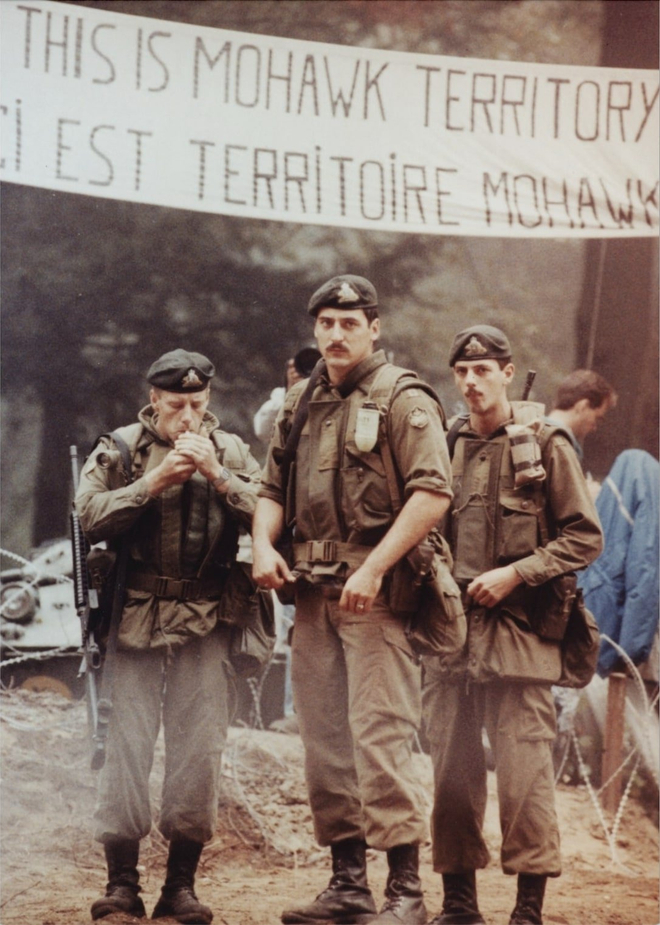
x: 621, y: 586
x: 583, y: 399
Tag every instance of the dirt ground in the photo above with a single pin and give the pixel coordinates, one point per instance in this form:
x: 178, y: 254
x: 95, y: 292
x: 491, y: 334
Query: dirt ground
x: 263, y: 856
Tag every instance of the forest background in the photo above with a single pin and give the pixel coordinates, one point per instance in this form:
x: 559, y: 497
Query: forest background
x: 93, y: 289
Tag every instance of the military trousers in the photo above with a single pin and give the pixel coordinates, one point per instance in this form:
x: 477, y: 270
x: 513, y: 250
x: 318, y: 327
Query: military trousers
x: 520, y: 721
x: 190, y: 687
x: 357, y: 695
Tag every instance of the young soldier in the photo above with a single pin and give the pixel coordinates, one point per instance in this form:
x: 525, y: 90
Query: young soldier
x: 521, y: 515
x: 356, y: 680
x: 193, y: 486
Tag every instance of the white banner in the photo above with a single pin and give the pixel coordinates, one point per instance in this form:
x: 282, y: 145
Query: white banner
x: 172, y: 114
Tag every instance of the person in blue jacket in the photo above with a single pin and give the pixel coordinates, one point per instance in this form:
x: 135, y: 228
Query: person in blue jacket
x: 621, y: 586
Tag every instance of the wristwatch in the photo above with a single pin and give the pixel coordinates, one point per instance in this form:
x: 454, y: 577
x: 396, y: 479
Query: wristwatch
x: 222, y: 479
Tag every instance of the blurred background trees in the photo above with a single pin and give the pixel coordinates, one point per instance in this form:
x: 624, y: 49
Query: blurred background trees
x: 93, y: 290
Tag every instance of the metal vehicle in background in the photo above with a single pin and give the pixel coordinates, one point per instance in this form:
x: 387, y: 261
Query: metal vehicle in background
x: 40, y: 632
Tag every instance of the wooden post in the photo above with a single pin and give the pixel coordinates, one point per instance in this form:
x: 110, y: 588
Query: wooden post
x: 613, y: 740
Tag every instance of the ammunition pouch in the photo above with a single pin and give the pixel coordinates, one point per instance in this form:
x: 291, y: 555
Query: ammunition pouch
x: 423, y: 591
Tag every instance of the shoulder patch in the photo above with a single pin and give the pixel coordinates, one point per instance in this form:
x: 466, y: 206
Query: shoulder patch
x: 418, y: 417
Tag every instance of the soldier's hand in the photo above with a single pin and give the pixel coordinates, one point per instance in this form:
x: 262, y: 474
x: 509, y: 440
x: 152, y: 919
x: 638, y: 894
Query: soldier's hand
x: 175, y: 469
x: 200, y: 449
x: 269, y: 568
x: 360, y: 590
x: 491, y: 587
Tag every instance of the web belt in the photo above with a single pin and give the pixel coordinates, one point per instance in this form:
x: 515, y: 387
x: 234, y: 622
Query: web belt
x: 182, y: 589
x: 330, y: 551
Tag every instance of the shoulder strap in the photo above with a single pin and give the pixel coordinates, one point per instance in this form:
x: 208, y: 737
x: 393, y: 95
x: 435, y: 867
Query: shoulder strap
x: 126, y: 455
x: 452, y: 433
x: 297, y: 424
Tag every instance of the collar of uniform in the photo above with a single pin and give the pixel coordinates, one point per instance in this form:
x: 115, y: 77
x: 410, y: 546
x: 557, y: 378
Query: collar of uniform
x: 356, y: 375
x: 147, y: 418
x: 467, y: 431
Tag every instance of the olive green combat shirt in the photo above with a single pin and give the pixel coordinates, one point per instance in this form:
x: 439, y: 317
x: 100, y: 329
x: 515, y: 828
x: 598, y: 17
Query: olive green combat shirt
x: 494, y: 524
x: 338, y: 492
x: 188, y: 531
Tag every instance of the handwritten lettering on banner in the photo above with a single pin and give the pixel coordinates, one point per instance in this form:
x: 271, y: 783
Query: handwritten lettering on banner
x: 132, y: 108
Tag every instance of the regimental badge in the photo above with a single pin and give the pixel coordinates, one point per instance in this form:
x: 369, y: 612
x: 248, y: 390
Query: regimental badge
x: 418, y: 417
x: 474, y: 348
x: 347, y: 293
x: 191, y: 379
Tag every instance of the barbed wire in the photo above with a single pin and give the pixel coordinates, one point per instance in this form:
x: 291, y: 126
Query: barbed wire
x: 611, y: 832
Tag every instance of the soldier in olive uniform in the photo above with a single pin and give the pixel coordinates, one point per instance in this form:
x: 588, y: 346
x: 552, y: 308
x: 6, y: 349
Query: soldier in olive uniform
x: 192, y: 486
x: 521, y: 515
x: 356, y: 680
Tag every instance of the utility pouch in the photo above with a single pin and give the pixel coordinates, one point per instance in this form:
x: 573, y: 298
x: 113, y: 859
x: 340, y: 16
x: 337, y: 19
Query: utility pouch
x: 580, y: 646
x: 251, y: 614
x: 430, y: 601
x: 408, y: 576
x: 554, y: 602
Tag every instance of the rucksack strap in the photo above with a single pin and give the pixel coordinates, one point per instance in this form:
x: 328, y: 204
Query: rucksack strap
x: 297, y: 424
x: 452, y: 433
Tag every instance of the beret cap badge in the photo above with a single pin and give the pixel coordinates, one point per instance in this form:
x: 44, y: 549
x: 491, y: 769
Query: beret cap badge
x: 474, y: 348
x: 191, y: 380
x: 347, y: 294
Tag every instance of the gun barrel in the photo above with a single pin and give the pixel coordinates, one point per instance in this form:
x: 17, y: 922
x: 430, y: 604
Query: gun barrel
x: 529, y: 382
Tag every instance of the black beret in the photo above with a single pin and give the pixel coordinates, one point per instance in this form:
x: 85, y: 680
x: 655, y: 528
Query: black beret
x: 181, y: 371
x: 347, y: 292
x: 480, y: 342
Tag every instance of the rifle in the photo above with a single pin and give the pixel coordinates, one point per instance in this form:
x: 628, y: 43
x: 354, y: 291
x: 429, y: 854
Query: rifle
x: 87, y: 607
x: 529, y: 382
x: 108, y: 577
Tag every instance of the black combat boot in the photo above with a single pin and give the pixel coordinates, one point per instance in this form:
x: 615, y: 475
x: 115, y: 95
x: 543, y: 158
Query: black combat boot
x: 121, y: 892
x: 347, y: 898
x: 404, y: 899
x: 177, y: 897
x: 459, y: 905
x: 529, y: 901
